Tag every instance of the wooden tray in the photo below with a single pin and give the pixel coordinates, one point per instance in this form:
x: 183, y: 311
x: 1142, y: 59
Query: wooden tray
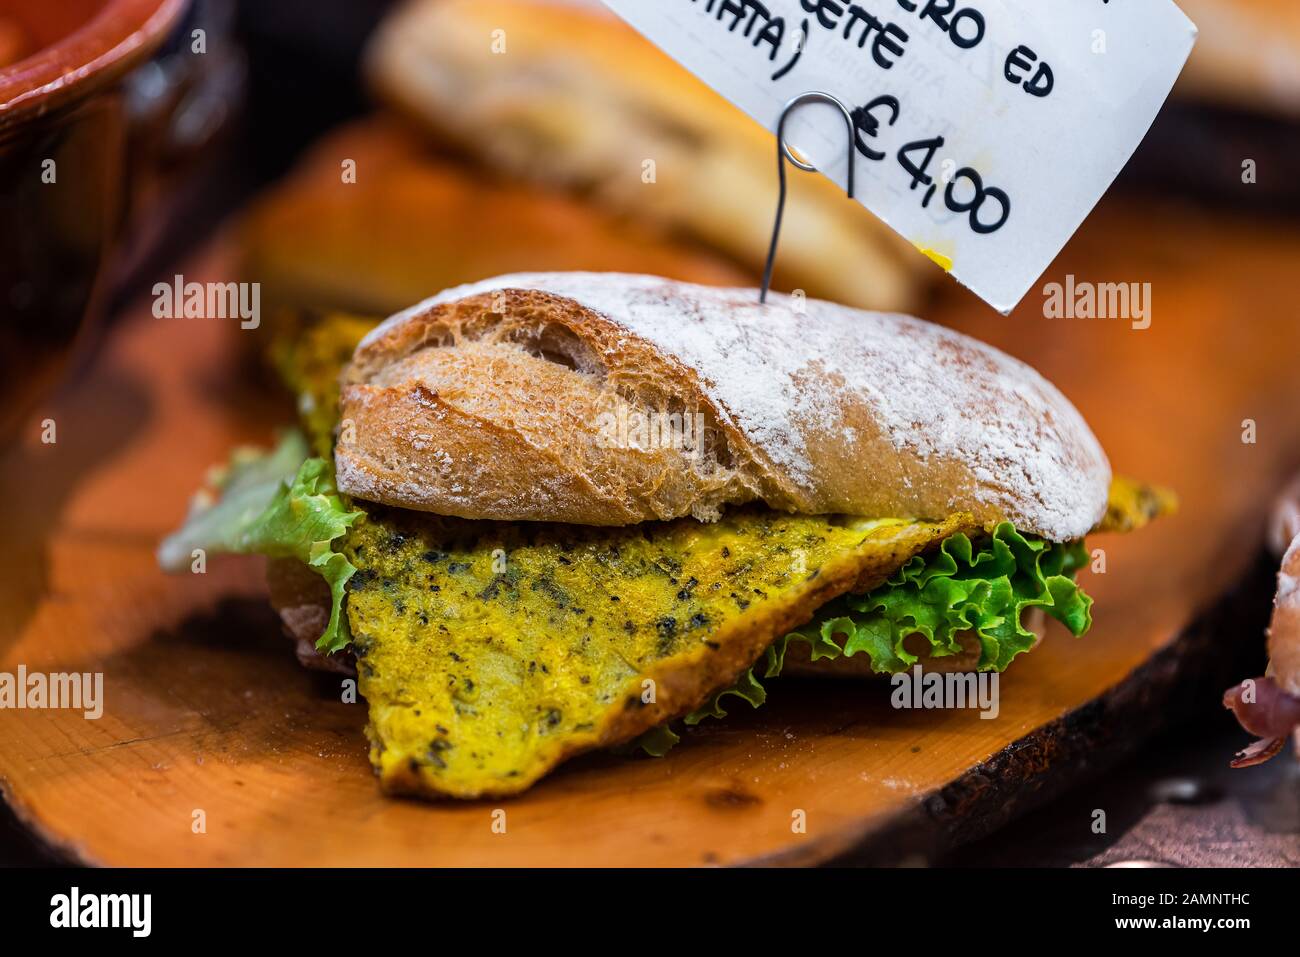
x: 206, y: 708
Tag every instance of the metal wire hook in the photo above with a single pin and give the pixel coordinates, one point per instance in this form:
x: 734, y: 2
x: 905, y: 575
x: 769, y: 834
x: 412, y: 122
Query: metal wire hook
x: 783, y: 153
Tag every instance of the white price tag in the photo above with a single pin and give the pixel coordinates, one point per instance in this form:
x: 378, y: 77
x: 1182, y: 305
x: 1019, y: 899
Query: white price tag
x: 986, y: 130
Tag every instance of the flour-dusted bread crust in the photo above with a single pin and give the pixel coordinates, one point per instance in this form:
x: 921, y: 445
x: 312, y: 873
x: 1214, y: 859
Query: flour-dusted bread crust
x: 518, y: 399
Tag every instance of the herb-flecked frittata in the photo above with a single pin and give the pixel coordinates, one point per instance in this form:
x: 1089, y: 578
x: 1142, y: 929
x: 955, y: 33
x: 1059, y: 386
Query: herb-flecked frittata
x: 489, y: 651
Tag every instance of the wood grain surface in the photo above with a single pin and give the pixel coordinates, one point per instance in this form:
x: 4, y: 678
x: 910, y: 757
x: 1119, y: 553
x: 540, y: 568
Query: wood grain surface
x: 206, y: 708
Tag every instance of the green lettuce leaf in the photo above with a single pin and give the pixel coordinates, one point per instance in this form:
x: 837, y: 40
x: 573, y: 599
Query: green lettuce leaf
x: 984, y: 587
x: 280, y: 504
x: 656, y: 742
x: 235, y: 495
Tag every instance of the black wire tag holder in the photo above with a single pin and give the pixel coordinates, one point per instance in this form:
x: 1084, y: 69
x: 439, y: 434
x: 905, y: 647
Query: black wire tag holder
x: 783, y: 153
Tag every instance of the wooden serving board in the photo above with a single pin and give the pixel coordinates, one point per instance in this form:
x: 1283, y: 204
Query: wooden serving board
x: 207, y: 710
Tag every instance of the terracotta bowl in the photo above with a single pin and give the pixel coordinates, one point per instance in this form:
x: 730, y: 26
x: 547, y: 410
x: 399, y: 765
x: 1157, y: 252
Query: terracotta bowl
x: 63, y: 176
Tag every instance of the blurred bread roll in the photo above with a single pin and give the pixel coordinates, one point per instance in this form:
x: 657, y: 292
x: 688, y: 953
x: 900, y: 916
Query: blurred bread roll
x: 576, y: 98
x: 1247, y: 54
x: 414, y: 223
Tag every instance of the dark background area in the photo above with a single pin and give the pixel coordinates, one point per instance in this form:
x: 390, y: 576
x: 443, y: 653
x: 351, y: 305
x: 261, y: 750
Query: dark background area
x: 1175, y: 802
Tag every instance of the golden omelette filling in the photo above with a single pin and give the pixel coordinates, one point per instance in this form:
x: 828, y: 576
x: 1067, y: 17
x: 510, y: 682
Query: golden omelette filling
x: 489, y: 652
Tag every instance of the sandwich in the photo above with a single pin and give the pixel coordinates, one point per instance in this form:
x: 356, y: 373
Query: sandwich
x: 550, y: 513
x: 1269, y: 707
x: 567, y: 96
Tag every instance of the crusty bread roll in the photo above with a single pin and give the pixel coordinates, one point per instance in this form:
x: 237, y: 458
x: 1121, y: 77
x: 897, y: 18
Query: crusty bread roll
x: 554, y: 93
x: 517, y: 399
x: 415, y: 222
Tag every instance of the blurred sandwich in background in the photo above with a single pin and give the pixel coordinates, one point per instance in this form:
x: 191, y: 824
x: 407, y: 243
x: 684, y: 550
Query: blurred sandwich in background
x: 567, y: 95
x: 414, y: 223
x: 1228, y: 137
x: 1247, y: 55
